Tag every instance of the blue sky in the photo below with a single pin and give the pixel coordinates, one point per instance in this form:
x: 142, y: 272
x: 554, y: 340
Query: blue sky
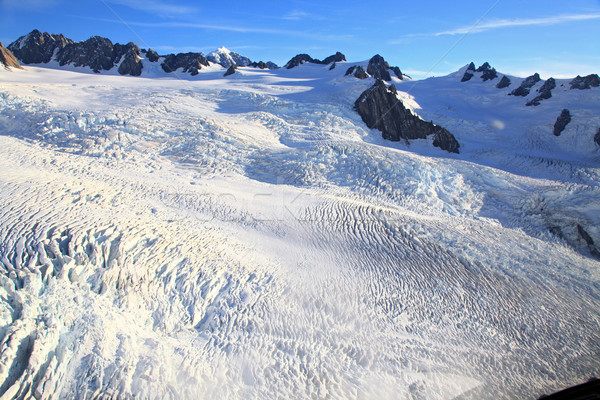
x: 554, y: 38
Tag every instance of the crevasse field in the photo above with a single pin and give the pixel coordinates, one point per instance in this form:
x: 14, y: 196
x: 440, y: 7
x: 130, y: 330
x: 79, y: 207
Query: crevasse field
x: 249, y: 237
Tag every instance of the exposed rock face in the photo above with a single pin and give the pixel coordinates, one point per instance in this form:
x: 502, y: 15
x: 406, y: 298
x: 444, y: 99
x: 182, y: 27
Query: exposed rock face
x: 357, y: 72
x: 131, y: 63
x: 304, y: 58
x: 380, y: 108
x: 259, y: 64
x: 299, y: 60
x: 561, y: 122
x: 97, y: 52
x: 7, y: 59
x: 378, y: 68
x: 488, y: 73
x: 445, y: 140
x: 545, y: 92
x: 504, y: 82
x: 333, y: 65
x: 526, y: 85
x: 230, y: 70
x: 337, y: 57
x: 272, y: 65
x: 152, y: 55
x: 585, y: 82
x: 37, y: 47
x: 397, y: 72
x: 468, y: 73
x: 226, y: 58
x: 190, y: 62
x: 597, y: 137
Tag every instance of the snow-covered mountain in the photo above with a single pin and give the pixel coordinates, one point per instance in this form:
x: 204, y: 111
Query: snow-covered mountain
x: 227, y: 58
x: 100, y: 54
x: 250, y: 237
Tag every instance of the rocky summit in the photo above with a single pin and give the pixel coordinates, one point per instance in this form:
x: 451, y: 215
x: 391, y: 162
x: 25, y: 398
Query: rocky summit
x: 585, y: 82
x: 7, y: 59
x: 545, y: 92
x: 190, y: 62
x: 526, y: 85
x: 37, y: 47
x: 380, y: 108
x: 305, y: 58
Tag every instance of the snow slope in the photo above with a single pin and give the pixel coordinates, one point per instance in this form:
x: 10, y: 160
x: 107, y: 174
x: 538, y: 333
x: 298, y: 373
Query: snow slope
x: 249, y: 237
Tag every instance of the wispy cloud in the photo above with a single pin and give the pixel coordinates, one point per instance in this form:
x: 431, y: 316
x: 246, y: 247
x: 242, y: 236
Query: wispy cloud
x: 223, y: 27
x: 156, y: 7
x: 498, y: 24
x: 506, y: 23
x: 35, y: 4
x: 296, y: 15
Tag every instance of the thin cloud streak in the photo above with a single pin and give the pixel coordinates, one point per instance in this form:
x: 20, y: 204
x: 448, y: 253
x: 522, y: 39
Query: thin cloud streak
x: 227, y: 28
x: 155, y: 7
x: 505, y: 23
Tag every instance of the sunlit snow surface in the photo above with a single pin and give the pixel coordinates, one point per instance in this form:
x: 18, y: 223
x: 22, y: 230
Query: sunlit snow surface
x: 249, y: 237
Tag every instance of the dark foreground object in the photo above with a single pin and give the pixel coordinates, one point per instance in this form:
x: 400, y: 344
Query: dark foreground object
x: 586, y: 391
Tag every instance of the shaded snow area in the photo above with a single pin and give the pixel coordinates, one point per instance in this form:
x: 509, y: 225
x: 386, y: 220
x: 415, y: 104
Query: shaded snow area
x: 250, y: 237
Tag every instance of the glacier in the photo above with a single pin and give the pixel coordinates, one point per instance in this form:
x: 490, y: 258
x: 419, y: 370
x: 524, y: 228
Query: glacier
x: 249, y: 237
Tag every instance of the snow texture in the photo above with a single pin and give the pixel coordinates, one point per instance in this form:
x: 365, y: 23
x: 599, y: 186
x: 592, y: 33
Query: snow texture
x: 168, y: 236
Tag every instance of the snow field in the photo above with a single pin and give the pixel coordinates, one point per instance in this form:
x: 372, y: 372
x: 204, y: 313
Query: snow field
x: 252, y: 239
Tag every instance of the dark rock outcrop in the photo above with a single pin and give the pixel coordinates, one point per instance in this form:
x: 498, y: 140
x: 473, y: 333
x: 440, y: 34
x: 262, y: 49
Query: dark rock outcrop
x: 357, y: 71
x: 337, y: 57
x: 397, y: 72
x: 97, y: 52
x: 299, y: 60
x: 585, y: 82
x: 304, y: 58
x: 468, y: 73
x: 378, y: 68
x: 37, y: 47
x: 504, y: 82
x: 488, y: 73
x: 380, y: 108
x: 152, y: 55
x: 333, y: 65
x: 445, y: 140
x: 230, y: 70
x: 259, y: 64
x: 561, y: 122
x: 597, y: 137
x: 7, y: 59
x: 526, y: 85
x: 190, y: 62
x: 131, y: 63
x: 545, y: 92
x: 272, y: 65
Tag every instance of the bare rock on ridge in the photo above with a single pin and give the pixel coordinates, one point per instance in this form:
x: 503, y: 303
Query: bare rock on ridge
x: 504, y: 82
x: 381, y: 109
x: 561, y: 122
x: 8, y: 59
x: 586, y: 82
x: 190, y: 62
x: 526, y: 85
x: 545, y: 92
x: 37, y: 47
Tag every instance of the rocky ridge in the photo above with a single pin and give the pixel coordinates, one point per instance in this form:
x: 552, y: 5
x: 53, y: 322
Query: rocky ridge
x: 381, y: 109
x: 7, y: 59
